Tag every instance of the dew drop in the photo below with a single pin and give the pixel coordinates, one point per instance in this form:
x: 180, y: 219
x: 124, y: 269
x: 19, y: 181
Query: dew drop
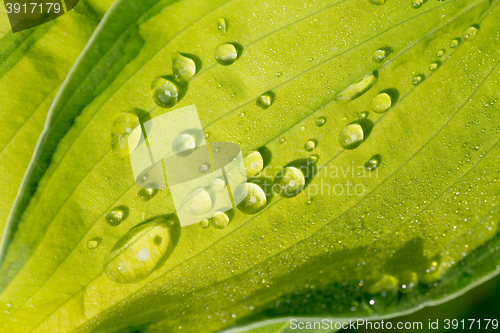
x: 417, y: 3
x: 125, y: 134
x: 356, y: 89
x: 373, y: 163
x: 377, y: 2
x: 145, y: 194
x: 226, y: 54
x: 198, y: 202
x: 320, y: 121
x: 313, y: 159
x: 310, y: 145
x: 381, y: 103
x: 351, y: 136
x: 182, y: 143
x: 362, y: 115
x: 115, y: 217
x: 251, y: 198
x: 434, y: 65
x: 184, y: 68
x: 94, y: 243
x: 139, y: 252
x: 454, y: 43
x: 378, y: 56
x: 282, y: 140
x: 470, y: 33
x: 222, y: 24
x: 204, y: 224
x: 204, y: 167
x: 265, y: 100
x: 220, y: 220
x: 217, y: 185
x: 440, y: 53
x: 254, y: 163
x: 417, y: 79
x: 165, y: 92
x: 289, y: 182
x: 408, y: 280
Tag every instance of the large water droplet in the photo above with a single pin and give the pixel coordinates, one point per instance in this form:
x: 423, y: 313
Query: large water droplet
x: 378, y: 56
x: 198, y: 202
x: 408, y: 280
x: 183, y: 143
x: 470, y: 33
x: 226, y: 54
x: 115, y: 217
x: 311, y: 144
x: 356, y: 89
x: 139, y: 252
x: 253, y: 163
x: 351, y: 136
x: 220, y: 220
x: 123, y: 137
x: 289, y: 182
x: 145, y: 194
x: 94, y: 243
x: 373, y: 163
x: 183, y: 67
x: 165, y: 92
x: 222, y: 24
x: 265, y: 100
x: 381, y: 103
x: 254, y: 200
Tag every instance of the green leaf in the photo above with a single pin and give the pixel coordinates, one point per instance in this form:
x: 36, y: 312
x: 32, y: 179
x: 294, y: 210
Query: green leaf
x: 418, y: 229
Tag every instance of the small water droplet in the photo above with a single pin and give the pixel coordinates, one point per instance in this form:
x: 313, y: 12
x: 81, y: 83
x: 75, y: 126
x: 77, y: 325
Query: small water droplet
x: 377, y: 2
x: 417, y: 79
x: 217, y: 185
x: 183, y: 143
x: 434, y: 65
x: 279, y: 74
x: 381, y: 103
x: 198, y: 202
x: 220, y: 220
x: 310, y: 145
x: 222, y: 24
x: 115, y: 217
x: 351, y: 136
x: 253, y: 163
x: 282, y: 140
x: 408, y: 280
x: 145, y: 194
x: 373, y: 163
x: 440, y: 53
x: 320, y: 121
x: 226, y: 54
x: 251, y: 198
x: 417, y: 3
x: 204, y: 167
x: 125, y: 134
x: 356, y: 89
x: 470, y: 33
x: 184, y: 68
x: 289, y: 182
x: 378, y: 56
x: 94, y: 243
x: 165, y: 92
x: 204, y: 224
x: 362, y: 115
x: 454, y: 43
x: 265, y: 100
x: 313, y: 159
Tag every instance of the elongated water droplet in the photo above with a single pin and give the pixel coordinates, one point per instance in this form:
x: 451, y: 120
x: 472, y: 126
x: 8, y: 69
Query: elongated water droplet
x: 226, y: 54
x: 351, y: 136
x: 311, y: 144
x: 454, y: 43
x: 254, y: 198
x: 356, y: 89
x: 440, y: 53
x: 139, y: 252
x: 222, y: 24
x: 204, y: 224
x: 265, y: 100
x: 253, y: 163
x: 145, y: 194
x: 408, y: 280
x: 183, y: 143
x: 115, y: 217
x: 381, y: 103
x: 289, y: 182
x: 183, y: 67
x: 434, y: 65
x: 94, y: 243
x: 198, y: 202
x: 373, y: 163
x: 220, y: 220
x: 377, y: 2
x: 124, y: 136
x: 165, y: 92
x: 470, y: 33
x: 378, y: 56
x: 320, y: 121
x: 417, y: 3
x: 417, y: 79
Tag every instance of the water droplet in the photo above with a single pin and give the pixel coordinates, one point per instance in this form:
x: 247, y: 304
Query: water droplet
x: 165, y: 92
x: 251, y: 197
x: 282, y: 140
x: 182, y: 143
x: 417, y: 3
x: 204, y: 167
x: 226, y: 54
x: 434, y: 65
x: 94, y: 243
x: 320, y: 121
x: 373, y: 163
x: 381, y: 103
x: 204, y: 224
x: 417, y: 79
x: 220, y: 220
x: 253, y: 163
x: 145, y: 194
x: 454, y: 43
x: 408, y: 280
x: 440, y: 53
x: 378, y: 56
x: 356, y: 89
x: 217, y: 185
x: 198, y: 202
x: 351, y: 136
x: 124, y: 137
x: 183, y: 67
x: 222, y: 24
x: 377, y: 2
x: 311, y: 144
x: 265, y: 100
x: 115, y: 217
x: 470, y: 33
x: 289, y: 182
x: 313, y: 159
x: 139, y: 252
